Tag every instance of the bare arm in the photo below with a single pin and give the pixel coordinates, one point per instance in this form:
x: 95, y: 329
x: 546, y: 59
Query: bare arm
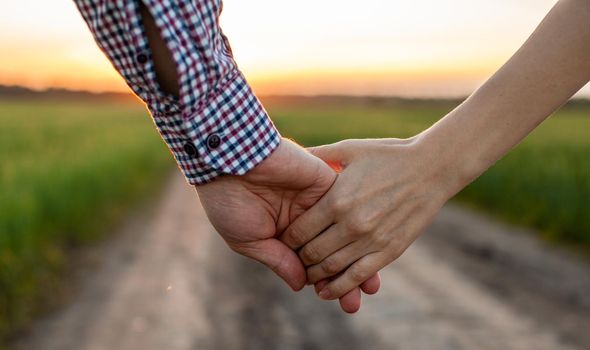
x: 549, y: 68
x: 390, y: 190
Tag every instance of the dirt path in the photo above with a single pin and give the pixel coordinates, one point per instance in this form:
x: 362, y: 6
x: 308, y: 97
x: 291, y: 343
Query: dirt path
x: 170, y: 283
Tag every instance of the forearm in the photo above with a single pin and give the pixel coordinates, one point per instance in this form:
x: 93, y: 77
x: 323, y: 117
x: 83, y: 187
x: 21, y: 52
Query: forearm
x: 549, y: 68
x: 389, y: 191
x: 175, y: 58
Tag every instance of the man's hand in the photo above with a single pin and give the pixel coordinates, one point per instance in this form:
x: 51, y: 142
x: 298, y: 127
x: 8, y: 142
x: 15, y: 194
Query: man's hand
x: 251, y: 211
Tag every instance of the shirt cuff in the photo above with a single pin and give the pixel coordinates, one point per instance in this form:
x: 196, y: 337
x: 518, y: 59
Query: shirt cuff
x: 228, y: 133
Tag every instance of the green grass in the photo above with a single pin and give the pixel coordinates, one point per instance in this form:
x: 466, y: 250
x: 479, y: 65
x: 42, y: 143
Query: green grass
x: 68, y: 173
x: 544, y: 183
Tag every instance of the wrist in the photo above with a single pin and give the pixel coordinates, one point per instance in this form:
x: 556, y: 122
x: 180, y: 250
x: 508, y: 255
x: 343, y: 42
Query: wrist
x: 289, y: 163
x: 448, y: 165
x: 270, y: 164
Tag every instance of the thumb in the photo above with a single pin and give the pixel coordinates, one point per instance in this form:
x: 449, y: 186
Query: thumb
x: 279, y: 258
x: 334, y: 154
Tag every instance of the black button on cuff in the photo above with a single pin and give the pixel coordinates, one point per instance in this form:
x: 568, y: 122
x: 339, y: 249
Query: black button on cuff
x: 191, y: 150
x: 213, y: 141
x: 142, y: 58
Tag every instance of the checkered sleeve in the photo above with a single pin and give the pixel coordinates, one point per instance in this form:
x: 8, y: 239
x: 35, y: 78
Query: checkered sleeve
x: 216, y: 125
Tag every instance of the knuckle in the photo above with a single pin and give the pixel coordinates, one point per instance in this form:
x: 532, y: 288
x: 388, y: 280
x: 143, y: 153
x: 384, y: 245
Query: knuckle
x: 359, y: 273
x: 347, y: 144
x: 236, y: 249
x: 315, y: 274
x: 373, y: 218
x: 295, y: 238
x: 338, y: 291
x: 396, y: 251
x: 330, y: 266
x: 309, y: 254
x: 244, y: 249
x: 397, y: 245
x: 382, y: 240
x: 360, y: 227
x: 343, y: 144
x: 340, y: 204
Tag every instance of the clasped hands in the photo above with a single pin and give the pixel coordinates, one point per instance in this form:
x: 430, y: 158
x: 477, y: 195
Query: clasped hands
x: 333, y: 215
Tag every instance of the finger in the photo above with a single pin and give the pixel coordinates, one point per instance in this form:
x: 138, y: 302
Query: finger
x: 324, y: 245
x: 351, y: 301
x: 338, y: 262
x: 354, y: 276
x: 307, y: 226
x: 336, y: 153
x: 279, y: 258
x: 321, y: 285
x: 370, y: 286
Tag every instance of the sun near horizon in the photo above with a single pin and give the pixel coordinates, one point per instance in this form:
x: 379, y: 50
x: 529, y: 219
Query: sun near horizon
x: 425, y: 48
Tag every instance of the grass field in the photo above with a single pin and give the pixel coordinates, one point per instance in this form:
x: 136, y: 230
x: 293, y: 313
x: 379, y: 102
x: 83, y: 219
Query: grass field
x: 68, y: 172
x: 543, y: 183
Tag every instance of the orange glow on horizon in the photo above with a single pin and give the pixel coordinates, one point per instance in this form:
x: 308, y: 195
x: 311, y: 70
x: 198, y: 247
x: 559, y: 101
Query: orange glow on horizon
x: 404, y: 83
x: 430, y: 48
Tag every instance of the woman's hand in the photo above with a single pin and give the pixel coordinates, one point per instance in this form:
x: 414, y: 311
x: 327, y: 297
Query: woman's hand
x: 250, y: 211
x: 388, y: 191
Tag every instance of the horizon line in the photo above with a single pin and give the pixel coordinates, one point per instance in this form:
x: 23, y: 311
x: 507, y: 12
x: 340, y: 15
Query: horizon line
x: 4, y: 88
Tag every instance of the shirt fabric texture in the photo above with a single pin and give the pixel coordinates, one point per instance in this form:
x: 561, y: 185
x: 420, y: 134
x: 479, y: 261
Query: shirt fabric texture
x: 216, y: 125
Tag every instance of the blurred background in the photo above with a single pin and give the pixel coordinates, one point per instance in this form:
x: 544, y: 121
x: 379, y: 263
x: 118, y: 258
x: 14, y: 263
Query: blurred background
x: 101, y: 240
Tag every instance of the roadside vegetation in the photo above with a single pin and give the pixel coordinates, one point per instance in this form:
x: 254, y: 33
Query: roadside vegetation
x: 69, y: 172
x: 543, y: 183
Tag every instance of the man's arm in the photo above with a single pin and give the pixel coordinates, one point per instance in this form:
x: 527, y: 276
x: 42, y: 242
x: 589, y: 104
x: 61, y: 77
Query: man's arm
x: 176, y: 59
x: 184, y: 72
x: 163, y: 62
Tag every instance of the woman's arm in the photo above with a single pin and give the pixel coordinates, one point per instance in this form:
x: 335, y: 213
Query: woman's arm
x: 548, y: 69
x: 390, y: 190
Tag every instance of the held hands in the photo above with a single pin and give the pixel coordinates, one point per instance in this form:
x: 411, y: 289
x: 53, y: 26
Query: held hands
x: 292, y: 214
x: 387, y: 193
x: 251, y: 211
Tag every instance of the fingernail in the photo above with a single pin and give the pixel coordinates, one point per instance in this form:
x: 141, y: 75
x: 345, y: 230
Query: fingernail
x: 325, y: 294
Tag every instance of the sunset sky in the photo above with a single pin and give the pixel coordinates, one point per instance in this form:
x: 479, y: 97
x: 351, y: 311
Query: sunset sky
x: 429, y: 48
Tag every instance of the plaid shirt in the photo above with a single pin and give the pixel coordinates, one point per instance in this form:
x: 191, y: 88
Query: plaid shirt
x: 216, y: 125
